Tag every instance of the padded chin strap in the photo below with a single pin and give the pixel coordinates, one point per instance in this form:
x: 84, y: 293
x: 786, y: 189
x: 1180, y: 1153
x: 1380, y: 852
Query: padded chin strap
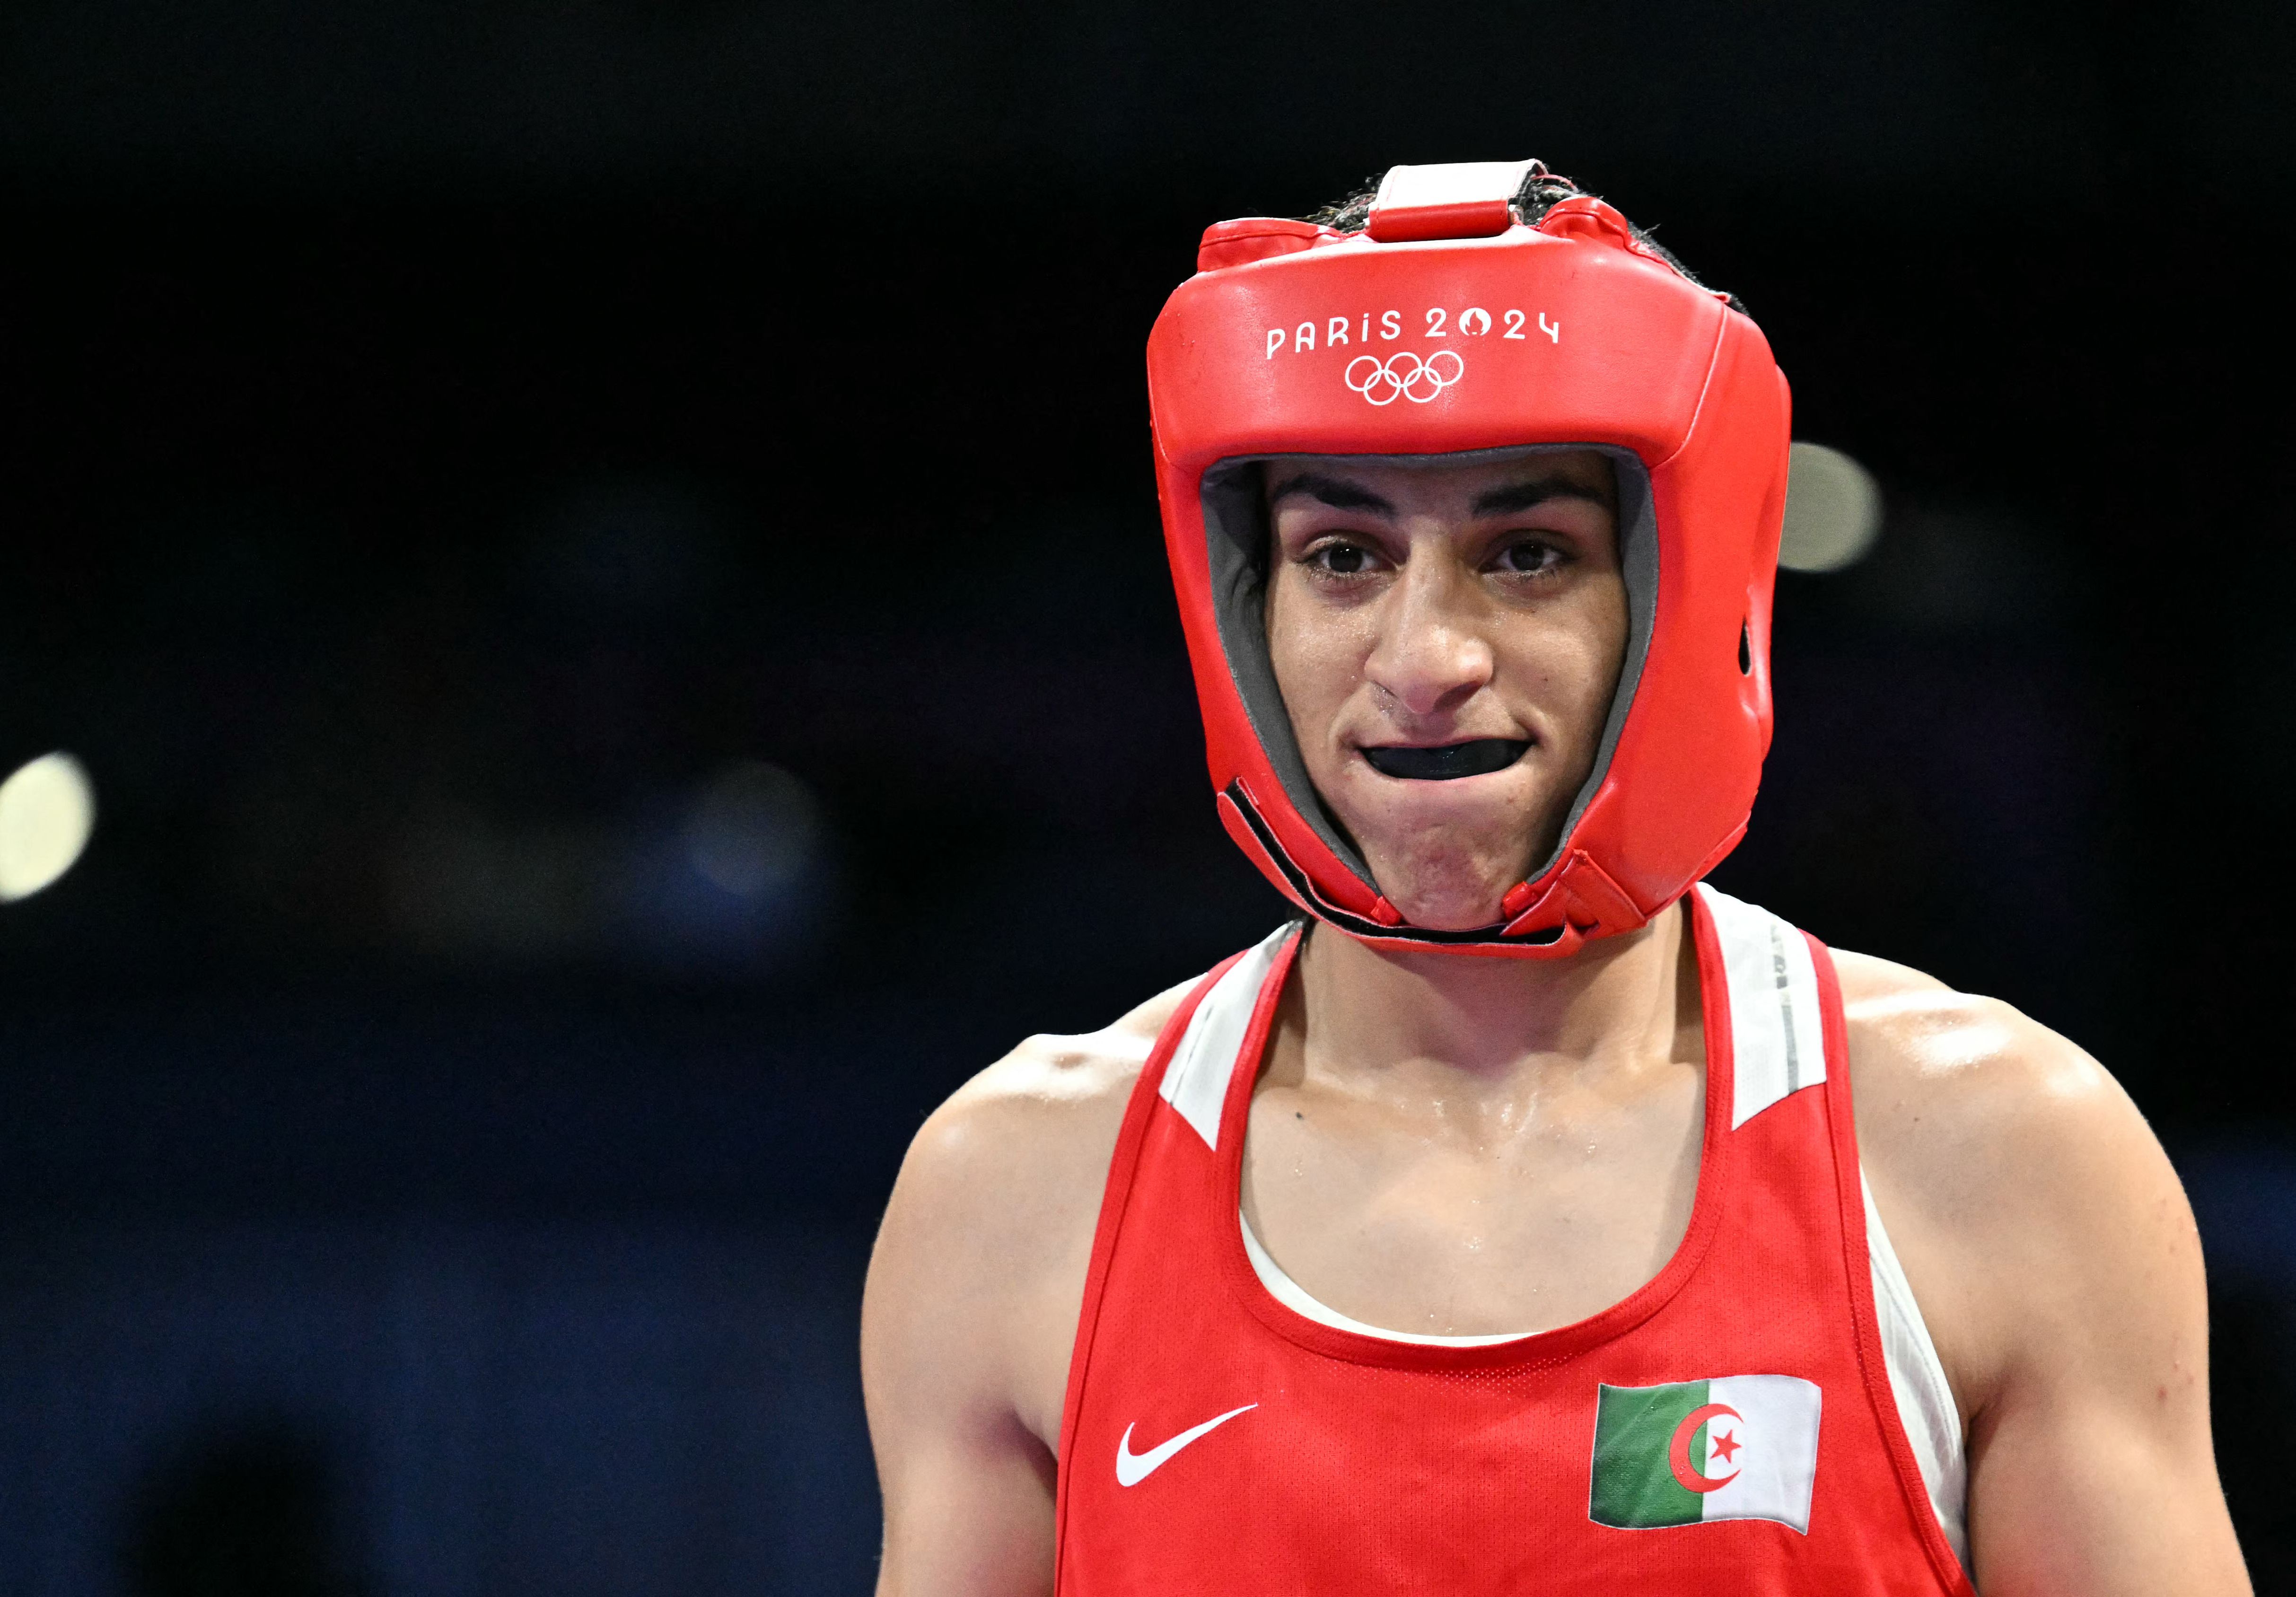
x: 1580, y: 901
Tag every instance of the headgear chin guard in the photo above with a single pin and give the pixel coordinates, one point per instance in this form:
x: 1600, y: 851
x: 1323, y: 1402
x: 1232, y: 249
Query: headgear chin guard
x: 1448, y: 327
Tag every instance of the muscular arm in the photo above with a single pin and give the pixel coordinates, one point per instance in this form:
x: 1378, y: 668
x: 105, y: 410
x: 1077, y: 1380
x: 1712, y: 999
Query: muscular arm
x: 2057, y: 1264
x: 971, y: 1306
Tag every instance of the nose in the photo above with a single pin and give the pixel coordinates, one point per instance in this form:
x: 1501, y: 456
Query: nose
x: 1431, y: 656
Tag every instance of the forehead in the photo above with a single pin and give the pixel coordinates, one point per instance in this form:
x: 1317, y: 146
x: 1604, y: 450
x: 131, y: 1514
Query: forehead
x: 1438, y: 481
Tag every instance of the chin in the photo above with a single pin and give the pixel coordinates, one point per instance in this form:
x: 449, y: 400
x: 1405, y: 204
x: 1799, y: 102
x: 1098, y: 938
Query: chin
x: 1447, y: 890
x: 1446, y: 853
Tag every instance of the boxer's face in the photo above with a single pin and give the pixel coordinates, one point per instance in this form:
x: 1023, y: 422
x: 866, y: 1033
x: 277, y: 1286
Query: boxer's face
x: 1447, y: 639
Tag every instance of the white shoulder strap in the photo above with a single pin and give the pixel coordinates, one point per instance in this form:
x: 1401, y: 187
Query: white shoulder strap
x: 1195, y: 1083
x: 1777, y: 1033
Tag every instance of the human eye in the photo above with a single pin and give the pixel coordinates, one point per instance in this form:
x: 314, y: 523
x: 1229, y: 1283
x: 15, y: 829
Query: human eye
x: 1339, y: 558
x: 1530, y: 557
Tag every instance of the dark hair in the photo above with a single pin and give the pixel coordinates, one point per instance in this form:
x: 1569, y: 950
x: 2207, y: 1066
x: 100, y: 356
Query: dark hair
x: 1541, y: 192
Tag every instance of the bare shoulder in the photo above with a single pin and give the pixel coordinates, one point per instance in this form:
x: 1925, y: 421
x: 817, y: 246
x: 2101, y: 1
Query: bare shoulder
x: 980, y: 1260
x: 1940, y: 1074
x: 1018, y: 1133
x: 2019, y: 1183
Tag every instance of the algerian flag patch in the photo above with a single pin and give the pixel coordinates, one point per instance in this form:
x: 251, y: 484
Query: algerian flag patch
x: 1736, y: 1447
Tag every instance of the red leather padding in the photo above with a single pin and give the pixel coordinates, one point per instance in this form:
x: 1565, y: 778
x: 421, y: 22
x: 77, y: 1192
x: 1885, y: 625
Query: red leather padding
x: 1612, y: 347
x: 1470, y: 219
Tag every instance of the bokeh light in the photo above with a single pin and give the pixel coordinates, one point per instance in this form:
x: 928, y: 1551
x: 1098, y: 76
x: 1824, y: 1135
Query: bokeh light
x: 1833, y: 511
x: 753, y: 830
x: 47, y: 810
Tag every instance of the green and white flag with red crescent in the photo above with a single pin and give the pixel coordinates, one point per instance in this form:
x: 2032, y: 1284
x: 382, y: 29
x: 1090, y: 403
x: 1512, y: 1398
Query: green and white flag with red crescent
x: 1735, y: 1447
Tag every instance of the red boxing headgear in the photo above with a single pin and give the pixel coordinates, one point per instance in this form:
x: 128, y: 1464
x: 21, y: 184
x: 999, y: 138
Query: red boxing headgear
x: 1447, y: 327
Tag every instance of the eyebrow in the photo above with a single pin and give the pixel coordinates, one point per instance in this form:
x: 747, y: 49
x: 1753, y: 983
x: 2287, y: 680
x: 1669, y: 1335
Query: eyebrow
x: 1522, y: 495
x: 1514, y: 496
x: 1331, y: 491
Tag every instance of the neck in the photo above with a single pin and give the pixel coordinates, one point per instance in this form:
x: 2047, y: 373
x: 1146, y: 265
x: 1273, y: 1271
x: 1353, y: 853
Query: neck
x: 1469, y: 1020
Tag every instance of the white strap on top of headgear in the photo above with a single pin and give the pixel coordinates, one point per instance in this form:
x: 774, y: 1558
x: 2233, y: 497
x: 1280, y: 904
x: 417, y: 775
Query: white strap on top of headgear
x: 1459, y: 182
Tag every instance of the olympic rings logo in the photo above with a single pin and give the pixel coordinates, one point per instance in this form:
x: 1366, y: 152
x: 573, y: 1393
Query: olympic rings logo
x: 1402, y: 375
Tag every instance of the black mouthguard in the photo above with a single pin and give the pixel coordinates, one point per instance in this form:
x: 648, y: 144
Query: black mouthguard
x: 1479, y: 758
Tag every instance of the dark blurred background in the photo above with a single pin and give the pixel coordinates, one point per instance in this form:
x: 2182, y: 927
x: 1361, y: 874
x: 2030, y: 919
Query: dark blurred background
x: 599, y: 560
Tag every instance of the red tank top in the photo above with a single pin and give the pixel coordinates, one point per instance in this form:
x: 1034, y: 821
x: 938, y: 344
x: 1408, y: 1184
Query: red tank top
x: 1728, y: 1428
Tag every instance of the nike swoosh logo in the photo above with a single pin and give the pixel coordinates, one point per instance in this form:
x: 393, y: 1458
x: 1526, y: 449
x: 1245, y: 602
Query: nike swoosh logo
x: 1133, y: 1467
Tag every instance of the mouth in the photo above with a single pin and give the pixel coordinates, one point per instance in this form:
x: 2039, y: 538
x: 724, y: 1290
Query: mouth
x: 1447, y: 762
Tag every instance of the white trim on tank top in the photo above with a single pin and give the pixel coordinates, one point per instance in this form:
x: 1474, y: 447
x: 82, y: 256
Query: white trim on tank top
x: 1294, y: 1297
x: 1196, y: 1082
x: 1779, y: 1048
x: 1925, y: 1404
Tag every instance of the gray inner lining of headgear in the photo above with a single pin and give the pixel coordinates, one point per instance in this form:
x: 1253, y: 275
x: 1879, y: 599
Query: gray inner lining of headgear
x: 1237, y: 541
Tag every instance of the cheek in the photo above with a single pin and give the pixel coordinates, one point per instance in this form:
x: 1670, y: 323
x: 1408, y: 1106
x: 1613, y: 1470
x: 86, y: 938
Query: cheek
x: 1316, y: 656
x: 1575, y: 656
